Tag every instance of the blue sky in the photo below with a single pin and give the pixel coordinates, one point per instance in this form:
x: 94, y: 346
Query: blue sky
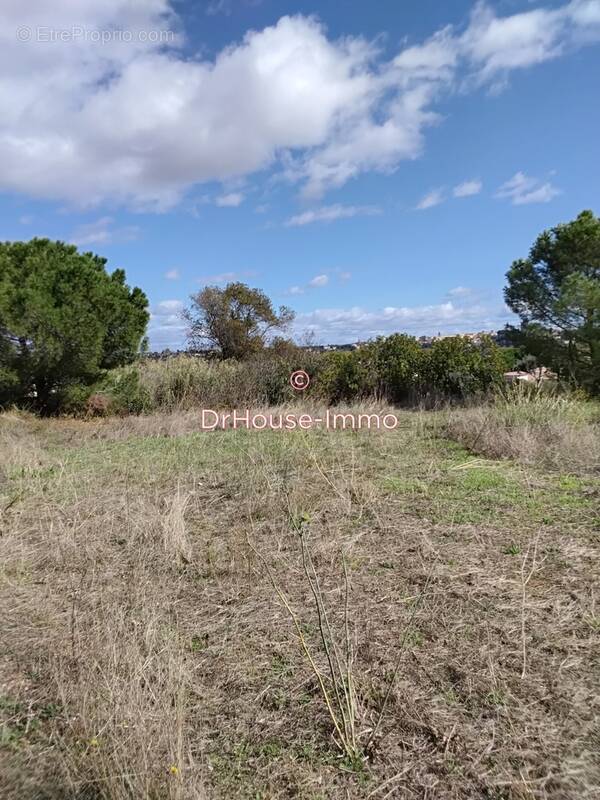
x: 375, y: 166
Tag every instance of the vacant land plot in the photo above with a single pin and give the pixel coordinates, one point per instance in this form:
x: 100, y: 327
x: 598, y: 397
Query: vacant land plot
x: 159, y: 605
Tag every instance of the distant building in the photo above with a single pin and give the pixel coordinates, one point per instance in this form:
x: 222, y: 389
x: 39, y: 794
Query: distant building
x: 537, y: 375
x: 322, y: 348
x: 475, y: 338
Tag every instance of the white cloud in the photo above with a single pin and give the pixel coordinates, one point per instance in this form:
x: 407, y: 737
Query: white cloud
x: 283, y: 88
x: 437, y: 196
x: 167, y: 328
x: 496, y: 45
x: 230, y: 200
x: 169, y: 306
x: 543, y: 194
x: 102, y: 232
x: 435, y: 59
x: 460, y: 291
x: 331, y: 213
x: 431, y: 199
x: 172, y: 275
x: 467, y: 188
x: 343, y: 275
x: 318, y: 282
x: 326, y: 110
x: 522, y: 189
x: 337, y: 325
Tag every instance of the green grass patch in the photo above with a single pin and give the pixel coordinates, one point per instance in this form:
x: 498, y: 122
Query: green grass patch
x: 476, y: 491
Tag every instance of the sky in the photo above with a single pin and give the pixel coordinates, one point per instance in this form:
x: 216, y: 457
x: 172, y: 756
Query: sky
x: 375, y: 166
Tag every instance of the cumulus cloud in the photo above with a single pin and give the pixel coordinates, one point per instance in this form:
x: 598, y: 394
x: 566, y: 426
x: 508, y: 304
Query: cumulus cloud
x: 331, y: 213
x: 339, y: 325
x: 467, y: 188
x: 431, y: 199
x: 522, y: 189
x: 102, y: 231
x: 172, y: 275
x: 318, y: 281
x: 139, y: 122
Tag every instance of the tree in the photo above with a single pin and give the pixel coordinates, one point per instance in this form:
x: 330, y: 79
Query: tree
x: 556, y: 292
x: 235, y: 320
x: 63, y: 320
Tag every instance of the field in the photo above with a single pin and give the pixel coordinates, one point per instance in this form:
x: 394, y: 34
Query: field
x: 179, y: 608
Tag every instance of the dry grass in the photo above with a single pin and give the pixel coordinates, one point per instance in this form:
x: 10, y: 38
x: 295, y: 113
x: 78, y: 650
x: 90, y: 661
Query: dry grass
x: 555, y: 431
x: 147, y: 655
x: 186, y: 382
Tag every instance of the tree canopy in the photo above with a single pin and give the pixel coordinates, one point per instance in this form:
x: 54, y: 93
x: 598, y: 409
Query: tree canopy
x: 556, y: 292
x: 63, y: 320
x: 235, y: 320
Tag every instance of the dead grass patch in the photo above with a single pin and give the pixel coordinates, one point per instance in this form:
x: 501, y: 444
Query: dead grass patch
x: 554, y: 432
x: 147, y: 648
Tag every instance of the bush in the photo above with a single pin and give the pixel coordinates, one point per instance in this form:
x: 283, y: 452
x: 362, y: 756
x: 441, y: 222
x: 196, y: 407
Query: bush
x: 124, y: 393
x: 457, y: 368
x: 394, y: 369
x: 398, y: 362
x: 75, y: 398
x: 346, y: 376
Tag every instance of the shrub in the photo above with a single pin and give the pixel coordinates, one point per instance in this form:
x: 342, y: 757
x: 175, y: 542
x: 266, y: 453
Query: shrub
x: 347, y: 376
x: 75, y: 398
x: 393, y: 369
x: 455, y: 367
x: 398, y: 363
x: 97, y: 405
x: 124, y: 392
